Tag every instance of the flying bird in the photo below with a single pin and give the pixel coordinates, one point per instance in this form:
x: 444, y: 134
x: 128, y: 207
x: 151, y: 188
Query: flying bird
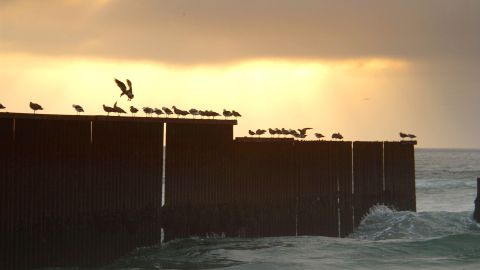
x: 148, y: 111
x: 108, y: 109
x: 35, y: 107
x: 319, y: 135
x: 128, y: 92
x: 251, y: 133
x: 78, y: 108
x: 117, y: 109
x: 133, y: 110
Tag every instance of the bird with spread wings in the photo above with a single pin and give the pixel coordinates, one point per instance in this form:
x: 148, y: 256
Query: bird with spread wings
x: 128, y: 92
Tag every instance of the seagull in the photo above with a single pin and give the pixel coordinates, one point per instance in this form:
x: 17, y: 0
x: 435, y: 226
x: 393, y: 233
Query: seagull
x: 108, y: 109
x: 303, y: 130
x: 260, y: 132
x: 251, y: 133
x: 167, y: 111
x: 117, y: 109
x: 2, y: 107
x: 193, y: 112
x: 202, y: 113
x: 128, y: 92
x: 158, y: 112
x: 214, y: 114
x: 403, y: 135
x: 272, y: 131
x: 337, y: 136
x: 319, y: 135
x: 133, y: 110
x: 227, y: 113
x: 35, y: 107
x: 78, y: 108
x: 285, y: 132
x: 147, y: 111
x: 179, y: 112
x: 236, y: 114
x: 411, y: 136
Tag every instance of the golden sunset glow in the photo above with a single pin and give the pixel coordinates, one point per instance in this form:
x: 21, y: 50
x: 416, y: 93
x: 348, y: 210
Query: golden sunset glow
x: 368, y: 73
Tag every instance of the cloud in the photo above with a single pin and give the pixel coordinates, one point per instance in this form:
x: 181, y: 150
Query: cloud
x: 218, y: 31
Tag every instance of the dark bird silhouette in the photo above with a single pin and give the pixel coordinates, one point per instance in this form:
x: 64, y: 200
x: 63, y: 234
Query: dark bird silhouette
x: 108, y: 109
x: 158, y: 112
x: 403, y: 135
x: 251, y: 133
x: 202, y: 113
x: 227, y: 113
x: 179, y: 112
x: 35, y: 107
x: 128, y: 92
x: 133, y: 110
x: 285, y: 132
x: 337, y: 136
x: 2, y: 107
x: 117, y: 109
x: 78, y: 108
x: 193, y: 112
x: 411, y: 136
x: 236, y: 114
x: 272, y: 131
x: 148, y: 111
x: 214, y: 114
x: 260, y: 132
x: 167, y: 111
x: 303, y: 131
x: 319, y: 135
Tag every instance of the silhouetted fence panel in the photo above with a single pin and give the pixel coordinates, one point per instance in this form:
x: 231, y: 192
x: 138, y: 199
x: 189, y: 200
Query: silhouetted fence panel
x: 341, y: 156
x: 400, y: 175
x: 317, y: 188
x: 265, y: 187
x: 196, y: 189
x: 367, y: 177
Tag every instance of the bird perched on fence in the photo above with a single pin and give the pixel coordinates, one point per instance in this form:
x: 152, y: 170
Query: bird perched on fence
x: 337, y: 136
x: 158, y: 112
x: 319, y: 135
x: 2, y: 107
x: 194, y: 112
x: 260, y: 132
x: 78, y: 108
x: 251, y: 133
x: 133, y: 110
x: 128, y: 92
x: 227, y: 113
x: 236, y: 114
x: 148, y: 111
x: 35, y: 107
x: 179, y: 112
x: 411, y: 136
x: 117, y: 109
x: 403, y: 135
x: 108, y: 109
x: 213, y: 114
x: 303, y: 131
x: 167, y: 111
x: 272, y: 131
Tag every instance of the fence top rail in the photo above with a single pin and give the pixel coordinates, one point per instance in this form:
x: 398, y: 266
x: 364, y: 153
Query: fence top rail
x: 116, y: 118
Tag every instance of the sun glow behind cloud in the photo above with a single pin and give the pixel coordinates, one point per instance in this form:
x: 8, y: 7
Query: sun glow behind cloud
x: 270, y: 93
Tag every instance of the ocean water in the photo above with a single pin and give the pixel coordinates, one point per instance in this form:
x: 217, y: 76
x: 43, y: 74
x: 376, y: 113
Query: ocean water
x: 440, y: 235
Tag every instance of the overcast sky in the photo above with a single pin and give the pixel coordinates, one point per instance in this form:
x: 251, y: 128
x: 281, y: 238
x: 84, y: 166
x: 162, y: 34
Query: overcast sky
x: 366, y: 68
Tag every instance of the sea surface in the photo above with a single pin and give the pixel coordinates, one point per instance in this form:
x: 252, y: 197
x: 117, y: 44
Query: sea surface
x: 440, y: 235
